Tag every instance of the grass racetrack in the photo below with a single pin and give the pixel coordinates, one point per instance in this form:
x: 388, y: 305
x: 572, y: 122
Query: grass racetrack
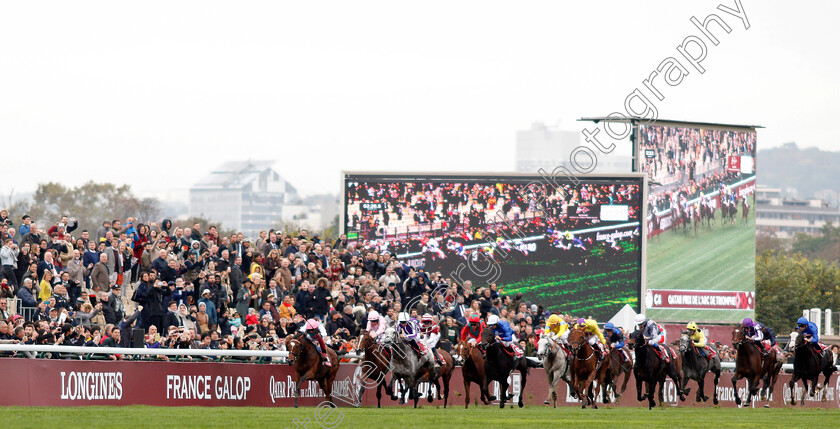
x: 720, y: 259
x: 427, y: 417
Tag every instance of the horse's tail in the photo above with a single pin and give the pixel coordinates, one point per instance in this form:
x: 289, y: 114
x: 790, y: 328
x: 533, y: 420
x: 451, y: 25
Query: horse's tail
x: 531, y: 364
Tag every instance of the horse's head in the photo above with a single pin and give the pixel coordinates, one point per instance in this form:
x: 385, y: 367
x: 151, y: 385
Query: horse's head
x: 294, y: 346
x: 488, y: 336
x: 389, y: 337
x: 633, y: 339
x: 577, y: 336
x: 685, y: 343
x: 544, y: 345
x: 462, y: 351
x: 796, y: 341
x: 365, y: 341
x: 738, y: 336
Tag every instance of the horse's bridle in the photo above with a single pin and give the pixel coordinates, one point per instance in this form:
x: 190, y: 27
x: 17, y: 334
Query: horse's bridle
x: 293, y: 356
x: 575, y: 351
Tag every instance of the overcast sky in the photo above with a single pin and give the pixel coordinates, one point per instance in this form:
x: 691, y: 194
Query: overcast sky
x: 155, y: 94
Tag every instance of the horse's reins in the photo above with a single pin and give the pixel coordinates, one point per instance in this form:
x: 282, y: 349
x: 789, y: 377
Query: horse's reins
x: 293, y: 356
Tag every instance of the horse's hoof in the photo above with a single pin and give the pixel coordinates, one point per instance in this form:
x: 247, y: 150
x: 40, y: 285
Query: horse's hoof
x: 766, y: 405
x: 546, y: 402
x: 715, y: 401
x: 521, y: 404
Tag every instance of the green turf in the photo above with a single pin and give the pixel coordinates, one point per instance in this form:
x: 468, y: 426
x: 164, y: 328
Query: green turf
x: 720, y: 259
x: 426, y: 417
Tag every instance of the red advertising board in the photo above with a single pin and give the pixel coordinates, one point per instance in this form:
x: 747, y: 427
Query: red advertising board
x: 733, y: 163
x: 700, y: 299
x: 36, y: 382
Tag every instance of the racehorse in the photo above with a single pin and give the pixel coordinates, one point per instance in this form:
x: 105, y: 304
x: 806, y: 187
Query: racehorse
x: 771, y: 373
x: 306, y: 362
x: 473, y: 371
x: 555, y: 362
x: 405, y: 365
x: 585, y: 367
x: 695, y: 367
x: 749, y: 364
x: 445, y: 373
x: 619, y: 364
x: 650, y: 369
x: 374, y: 365
x: 499, y: 364
x: 807, y: 365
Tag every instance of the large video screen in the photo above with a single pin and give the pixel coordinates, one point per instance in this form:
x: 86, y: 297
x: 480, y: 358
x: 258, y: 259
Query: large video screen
x: 701, y: 222
x: 573, y: 247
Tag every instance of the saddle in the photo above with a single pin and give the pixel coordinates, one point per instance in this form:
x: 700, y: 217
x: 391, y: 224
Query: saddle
x: 663, y: 353
x: 710, y: 352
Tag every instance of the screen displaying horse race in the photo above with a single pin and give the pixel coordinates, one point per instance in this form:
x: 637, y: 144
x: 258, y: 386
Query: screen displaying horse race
x: 701, y: 222
x: 573, y: 247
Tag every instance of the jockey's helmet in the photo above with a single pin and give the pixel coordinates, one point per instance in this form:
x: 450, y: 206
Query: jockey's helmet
x: 311, y: 325
x: 692, y: 326
x: 427, y: 319
x: 373, y: 316
x: 640, y: 318
x: 803, y: 322
x: 748, y: 323
x: 553, y: 320
x: 609, y: 325
x: 403, y: 317
x: 474, y: 318
x: 492, y: 320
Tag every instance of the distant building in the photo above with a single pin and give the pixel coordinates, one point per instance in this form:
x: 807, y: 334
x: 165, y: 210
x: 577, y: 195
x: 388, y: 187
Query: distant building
x: 250, y: 196
x: 547, y: 148
x: 783, y: 217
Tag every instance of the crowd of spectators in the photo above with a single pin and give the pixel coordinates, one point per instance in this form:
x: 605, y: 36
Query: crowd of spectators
x: 194, y: 288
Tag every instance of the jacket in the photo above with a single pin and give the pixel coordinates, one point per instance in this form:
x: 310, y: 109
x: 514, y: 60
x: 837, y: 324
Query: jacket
x: 100, y: 277
x: 26, y: 297
x: 503, y: 330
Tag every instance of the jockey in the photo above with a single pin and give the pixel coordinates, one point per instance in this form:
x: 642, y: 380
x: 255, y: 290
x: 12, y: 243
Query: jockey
x: 697, y: 337
x: 430, y: 334
x: 504, y: 333
x: 809, y: 331
x: 768, y: 333
x: 558, y: 328
x: 751, y: 332
x: 615, y: 338
x: 590, y: 326
x: 409, y: 331
x: 375, y: 327
x: 315, y: 332
x: 472, y: 332
x: 653, y: 335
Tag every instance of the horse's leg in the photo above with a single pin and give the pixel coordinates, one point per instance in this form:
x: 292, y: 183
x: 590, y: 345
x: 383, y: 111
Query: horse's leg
x: 503, y: 387
x: 524, y: 374
x: 715, y: 393
x: 651, y: 392
x: 378, y: 394
x: 301, y: 380
x: 551, y: 381
x: 467, y: 392
x: 792, y: 387
x: 735, y: 379
x: 446, y: 379
x: 639, y: 396
x: 662, y: 391
x: 701, y: 388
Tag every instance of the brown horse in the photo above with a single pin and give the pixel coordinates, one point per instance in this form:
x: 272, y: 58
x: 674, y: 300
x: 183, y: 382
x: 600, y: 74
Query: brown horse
x: 473, y: 371
x: 745, y: 210
x: 444, y: 374
x: 306, y: 362
x: 618, y: 364
x: 585, y: 367
x: 374, y: 365
x: 749, y: 365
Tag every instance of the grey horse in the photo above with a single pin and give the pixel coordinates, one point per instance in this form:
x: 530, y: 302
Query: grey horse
x: 556, y: 365
x: 405, y: 365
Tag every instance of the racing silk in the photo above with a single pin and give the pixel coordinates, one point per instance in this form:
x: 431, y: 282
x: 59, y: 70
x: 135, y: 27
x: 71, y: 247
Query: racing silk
x: 767, y: 332
x: 410, y: 329
x: 753, y: 334
x: 322, y: 332
x: 503, y: 330
x: 431, y: 335
x: 651, y: 331
x: 559, y: 329
x: 698, y: 339
x: 590, y: 326
x: 616, y: 338
x: 467, y: 332
x: 812, y: 330
x: 375, y: 331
